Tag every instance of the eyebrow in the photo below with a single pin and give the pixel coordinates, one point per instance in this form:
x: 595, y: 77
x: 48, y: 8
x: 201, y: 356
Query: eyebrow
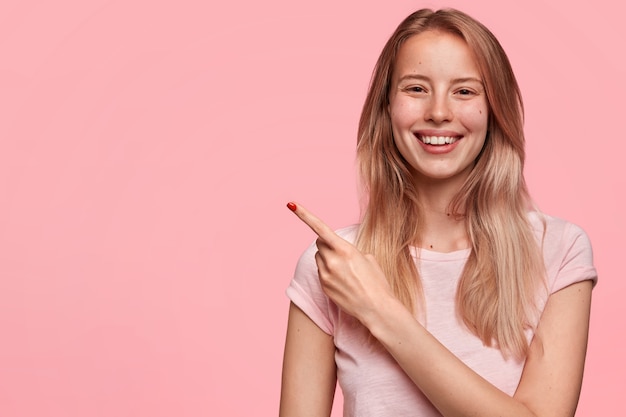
x: 455, y: 81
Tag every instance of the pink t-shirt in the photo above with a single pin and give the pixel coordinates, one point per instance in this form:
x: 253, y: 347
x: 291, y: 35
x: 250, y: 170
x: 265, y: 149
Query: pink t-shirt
x: 371, y: 381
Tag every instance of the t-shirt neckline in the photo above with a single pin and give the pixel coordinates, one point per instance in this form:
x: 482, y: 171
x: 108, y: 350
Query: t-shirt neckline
x: 431, y: 255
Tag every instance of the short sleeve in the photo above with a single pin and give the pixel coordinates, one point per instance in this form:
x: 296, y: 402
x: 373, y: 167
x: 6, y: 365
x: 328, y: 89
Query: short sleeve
x: 576, y: 260
x: 306, y: 292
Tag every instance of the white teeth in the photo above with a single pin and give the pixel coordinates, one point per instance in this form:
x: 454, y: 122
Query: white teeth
x: 438, y: 140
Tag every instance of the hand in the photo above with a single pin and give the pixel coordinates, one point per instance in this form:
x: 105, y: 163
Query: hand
x: 352, y: 280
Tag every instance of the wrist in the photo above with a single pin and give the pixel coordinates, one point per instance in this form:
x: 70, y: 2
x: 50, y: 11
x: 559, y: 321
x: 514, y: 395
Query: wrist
x: 380, y: 321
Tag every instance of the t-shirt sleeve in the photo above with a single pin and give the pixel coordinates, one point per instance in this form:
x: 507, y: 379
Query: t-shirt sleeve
x: 306, y: 292
x: 576, y: 261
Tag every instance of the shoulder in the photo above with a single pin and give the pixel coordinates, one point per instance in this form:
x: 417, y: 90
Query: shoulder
x: 556, y: 233
x: 566, y: 248
x: 305, y: 290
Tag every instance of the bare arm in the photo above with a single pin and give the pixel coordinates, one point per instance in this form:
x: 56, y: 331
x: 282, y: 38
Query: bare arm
x: 553, y: 373
x: 309, y: 372
x: 552, y: 376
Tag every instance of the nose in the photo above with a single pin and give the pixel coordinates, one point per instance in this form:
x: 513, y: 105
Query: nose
x: 438, y: 110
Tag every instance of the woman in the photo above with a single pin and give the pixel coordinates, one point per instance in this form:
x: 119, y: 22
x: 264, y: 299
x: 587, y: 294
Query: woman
x: 453, y: 296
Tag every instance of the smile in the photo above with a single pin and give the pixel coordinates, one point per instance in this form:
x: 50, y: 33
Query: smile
x: 437, y: 140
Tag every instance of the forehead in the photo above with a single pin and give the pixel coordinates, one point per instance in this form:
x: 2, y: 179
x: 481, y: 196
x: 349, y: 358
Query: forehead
x: 436, y: 51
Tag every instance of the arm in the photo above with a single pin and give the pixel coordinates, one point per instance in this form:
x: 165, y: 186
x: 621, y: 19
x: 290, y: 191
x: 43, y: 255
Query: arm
x: 552, y: 376
x: 309, y: 373
x: 557, y: 355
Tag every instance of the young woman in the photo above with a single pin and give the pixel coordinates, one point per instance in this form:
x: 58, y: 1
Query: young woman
x: 453, y: 297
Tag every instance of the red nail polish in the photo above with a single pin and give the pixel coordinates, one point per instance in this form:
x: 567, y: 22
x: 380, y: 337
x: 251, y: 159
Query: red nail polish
x: 291, y: 206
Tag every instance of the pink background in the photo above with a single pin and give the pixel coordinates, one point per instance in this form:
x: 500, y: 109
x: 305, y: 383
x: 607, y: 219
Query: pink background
x: 147, y: 150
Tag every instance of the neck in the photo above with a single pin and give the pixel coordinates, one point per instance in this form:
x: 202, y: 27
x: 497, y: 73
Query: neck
x: 441, y: 230
x: 436, y: 195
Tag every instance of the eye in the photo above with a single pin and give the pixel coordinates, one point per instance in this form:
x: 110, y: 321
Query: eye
x: 465, y: 92
x: 414, y: 89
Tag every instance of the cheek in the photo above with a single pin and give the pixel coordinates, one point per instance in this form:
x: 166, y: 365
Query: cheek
x: 396, y: 112
x: 403, y: 114
x: 402, y: 117
x: 475, y: 117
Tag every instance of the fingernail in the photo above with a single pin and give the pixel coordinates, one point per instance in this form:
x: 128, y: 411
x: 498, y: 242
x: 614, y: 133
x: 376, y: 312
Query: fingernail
x: 291, y: 206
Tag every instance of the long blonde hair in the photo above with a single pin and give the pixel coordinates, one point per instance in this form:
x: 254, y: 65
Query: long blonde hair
x: 497, y: 290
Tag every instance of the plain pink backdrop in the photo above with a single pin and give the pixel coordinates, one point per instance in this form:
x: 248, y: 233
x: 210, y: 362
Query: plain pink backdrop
x: 147, y: 150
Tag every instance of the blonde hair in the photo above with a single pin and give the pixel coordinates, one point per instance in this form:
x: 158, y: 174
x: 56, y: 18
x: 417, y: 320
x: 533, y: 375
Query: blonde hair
x: 498, y: 287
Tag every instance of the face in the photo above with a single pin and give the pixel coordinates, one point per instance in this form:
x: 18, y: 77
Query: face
x: 438, y: 107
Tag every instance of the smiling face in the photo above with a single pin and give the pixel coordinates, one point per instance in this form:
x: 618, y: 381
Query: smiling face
x: 438, y: 106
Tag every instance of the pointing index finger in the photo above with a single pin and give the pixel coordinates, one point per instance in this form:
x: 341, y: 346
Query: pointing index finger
x: 318, y: 226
